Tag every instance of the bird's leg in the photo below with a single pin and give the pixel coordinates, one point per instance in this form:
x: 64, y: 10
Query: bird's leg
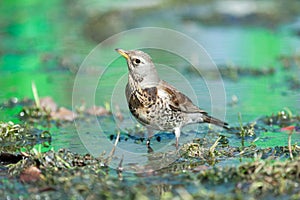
x: 150, y: 134
x: 177, y: 135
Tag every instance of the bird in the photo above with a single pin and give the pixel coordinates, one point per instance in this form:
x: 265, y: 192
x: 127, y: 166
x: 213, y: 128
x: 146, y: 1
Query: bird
x: 156, y: 104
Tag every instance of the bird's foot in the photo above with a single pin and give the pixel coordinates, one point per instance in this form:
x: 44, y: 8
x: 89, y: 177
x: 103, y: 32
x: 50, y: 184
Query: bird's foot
x: 150, y: 150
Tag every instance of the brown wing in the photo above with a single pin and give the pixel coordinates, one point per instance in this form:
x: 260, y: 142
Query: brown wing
x: 178, y: 101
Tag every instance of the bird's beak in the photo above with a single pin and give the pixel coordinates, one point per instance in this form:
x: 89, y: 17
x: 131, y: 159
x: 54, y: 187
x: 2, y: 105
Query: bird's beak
x: 123, y: 53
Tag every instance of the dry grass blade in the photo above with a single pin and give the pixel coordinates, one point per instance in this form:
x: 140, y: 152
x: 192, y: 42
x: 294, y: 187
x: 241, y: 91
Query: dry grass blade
x: 35, y: 95
x: 213, y: 147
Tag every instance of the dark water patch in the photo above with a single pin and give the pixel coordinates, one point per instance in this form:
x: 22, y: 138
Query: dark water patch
x: 8, y: 158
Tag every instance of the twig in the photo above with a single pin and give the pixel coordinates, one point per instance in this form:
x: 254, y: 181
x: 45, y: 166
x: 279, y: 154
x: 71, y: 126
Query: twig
x: 112, y: 152
x: 290, y: 145
x: 120, y: 168
x: 242, y: 133
x: 63, y: 161
x: 290, y: 130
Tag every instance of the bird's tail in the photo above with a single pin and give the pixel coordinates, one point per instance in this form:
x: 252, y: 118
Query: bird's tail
x: 215, y: 121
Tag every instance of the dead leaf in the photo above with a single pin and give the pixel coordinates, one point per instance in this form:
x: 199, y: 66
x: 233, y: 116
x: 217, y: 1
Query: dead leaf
x: 64, y: 114
x: 30, y: 174
x: 48, y: 104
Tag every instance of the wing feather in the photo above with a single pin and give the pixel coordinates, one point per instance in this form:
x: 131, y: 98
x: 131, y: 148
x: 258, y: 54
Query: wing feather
x: 178, y: 101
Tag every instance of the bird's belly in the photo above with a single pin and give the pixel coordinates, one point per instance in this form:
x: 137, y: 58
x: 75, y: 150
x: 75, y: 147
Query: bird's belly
x: 159, y: 117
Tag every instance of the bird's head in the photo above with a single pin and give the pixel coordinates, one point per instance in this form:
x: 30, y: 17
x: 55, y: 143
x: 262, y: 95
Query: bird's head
x: 140, y: 66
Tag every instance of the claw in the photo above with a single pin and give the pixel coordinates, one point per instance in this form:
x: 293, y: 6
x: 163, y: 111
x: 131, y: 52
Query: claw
x: 150, y: 150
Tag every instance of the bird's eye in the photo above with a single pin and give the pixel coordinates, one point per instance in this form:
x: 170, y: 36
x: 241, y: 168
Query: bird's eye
x: 136, y: 61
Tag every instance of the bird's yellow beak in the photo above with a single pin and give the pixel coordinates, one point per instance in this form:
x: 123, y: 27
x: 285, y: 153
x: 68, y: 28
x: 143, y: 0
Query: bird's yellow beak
x: 123, y: 53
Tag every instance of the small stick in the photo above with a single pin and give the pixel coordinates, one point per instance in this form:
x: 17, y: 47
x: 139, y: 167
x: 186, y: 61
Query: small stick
x: 290, y: 145
x: 112, y: 152
x: 120, y: 168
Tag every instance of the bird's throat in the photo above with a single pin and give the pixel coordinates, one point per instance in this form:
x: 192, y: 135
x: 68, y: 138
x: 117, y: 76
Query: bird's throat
x: 143, y: 82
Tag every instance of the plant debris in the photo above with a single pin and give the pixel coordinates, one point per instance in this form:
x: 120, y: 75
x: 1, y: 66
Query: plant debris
x: 282, y: 119
x: 97, y: 111
x: 235, y: 72
x: 258, y: 173
x: 14, y: 137
x: 63, y: 173
x: 50, y: 111
x: 64, y: 114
